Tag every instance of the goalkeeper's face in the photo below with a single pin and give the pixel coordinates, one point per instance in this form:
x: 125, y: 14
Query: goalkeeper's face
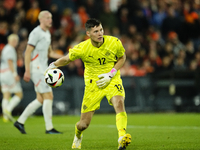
x: 96, y: 34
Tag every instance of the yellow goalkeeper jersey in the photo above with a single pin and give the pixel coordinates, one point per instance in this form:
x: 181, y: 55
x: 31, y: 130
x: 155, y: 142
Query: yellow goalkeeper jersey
x: 98, y: 60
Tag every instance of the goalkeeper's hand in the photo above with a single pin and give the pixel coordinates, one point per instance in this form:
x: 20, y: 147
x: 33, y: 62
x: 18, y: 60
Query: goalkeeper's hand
x: 51, y: 66
x: 105, y: 78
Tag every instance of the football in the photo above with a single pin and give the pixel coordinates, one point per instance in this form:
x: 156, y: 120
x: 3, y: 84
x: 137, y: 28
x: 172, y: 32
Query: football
x: 54, y: 78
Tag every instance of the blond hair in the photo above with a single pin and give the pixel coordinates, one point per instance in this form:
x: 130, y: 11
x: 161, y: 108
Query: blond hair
x: 41, y: 14
x: 13, y: 37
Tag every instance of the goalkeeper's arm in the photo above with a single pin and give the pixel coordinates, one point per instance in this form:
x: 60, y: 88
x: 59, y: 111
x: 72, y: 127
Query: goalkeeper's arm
x: 120, y: 62
x: 59, y: 62
x: 62, y: 61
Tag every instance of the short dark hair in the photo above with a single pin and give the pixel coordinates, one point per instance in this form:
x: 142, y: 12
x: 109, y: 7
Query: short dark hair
x: 92, y: 23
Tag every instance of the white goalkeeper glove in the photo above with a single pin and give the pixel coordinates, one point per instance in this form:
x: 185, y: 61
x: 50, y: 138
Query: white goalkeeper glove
x: 51, y: 66
x: 105, y: 78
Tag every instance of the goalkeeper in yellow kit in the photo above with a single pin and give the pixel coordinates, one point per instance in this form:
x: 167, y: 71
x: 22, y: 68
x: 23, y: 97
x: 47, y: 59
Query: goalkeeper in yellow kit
x: 103, y: 56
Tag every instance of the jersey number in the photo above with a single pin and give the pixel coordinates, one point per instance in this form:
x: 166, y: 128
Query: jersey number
x: 102, y: 61
x: 119, y: 87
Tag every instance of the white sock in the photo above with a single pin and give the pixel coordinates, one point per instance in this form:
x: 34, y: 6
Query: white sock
x: 4, y: 104
x: 30, y: 109
x: 47, y: 112
x: 13, y: 103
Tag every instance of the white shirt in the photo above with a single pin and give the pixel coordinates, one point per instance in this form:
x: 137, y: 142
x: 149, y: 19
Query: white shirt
x: 41, y: 40
x: 8, y: 53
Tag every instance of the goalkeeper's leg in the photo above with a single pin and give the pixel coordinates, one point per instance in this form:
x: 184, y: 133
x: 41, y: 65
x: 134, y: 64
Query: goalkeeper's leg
x: 121, y: 122
x: 80, y: 127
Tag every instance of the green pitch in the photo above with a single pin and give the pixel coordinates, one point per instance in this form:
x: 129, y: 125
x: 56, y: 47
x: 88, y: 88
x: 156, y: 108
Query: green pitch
x: 165, y: 131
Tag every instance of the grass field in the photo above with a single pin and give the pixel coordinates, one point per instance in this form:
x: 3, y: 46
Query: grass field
x: 160, y: 131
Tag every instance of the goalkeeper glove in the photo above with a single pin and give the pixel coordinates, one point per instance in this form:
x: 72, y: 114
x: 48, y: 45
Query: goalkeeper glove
x: 106, y: 78
x: 51, y: 66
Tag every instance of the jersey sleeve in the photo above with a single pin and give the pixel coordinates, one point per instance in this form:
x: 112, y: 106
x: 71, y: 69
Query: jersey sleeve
x: 120, y: 49
x: 33, y: 38
x: 11, y: 52
x: 75, y: 52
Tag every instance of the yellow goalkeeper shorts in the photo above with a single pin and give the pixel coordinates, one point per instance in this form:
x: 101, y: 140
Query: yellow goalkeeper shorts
x: 93, y: 94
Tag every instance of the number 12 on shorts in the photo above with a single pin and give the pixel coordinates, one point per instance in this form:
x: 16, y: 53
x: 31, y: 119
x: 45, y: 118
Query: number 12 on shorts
x: 119, y: 87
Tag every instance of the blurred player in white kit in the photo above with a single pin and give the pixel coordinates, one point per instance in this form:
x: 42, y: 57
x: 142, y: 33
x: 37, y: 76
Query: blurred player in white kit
x: 36, y: 61
x: 10, y: 83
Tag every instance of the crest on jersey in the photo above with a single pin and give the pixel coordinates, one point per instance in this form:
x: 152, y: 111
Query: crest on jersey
x: 107, y: 53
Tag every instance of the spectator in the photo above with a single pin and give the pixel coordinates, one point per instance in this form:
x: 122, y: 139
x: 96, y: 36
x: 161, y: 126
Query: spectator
x: 67, y: 22
x: 82, y: 15
x: 132, y: 30
x: 114, y: 4
x: 190, y: 51
x: 140, y: 21
x: 56, y: 16
x: 32, y: 15
x: 179, y: 64
x: 131, y: 70
x: 108, y: 18
x: 4, y: 31
x: 90, y: 5
x: 145, y: 7
x: 177, y: 44
x: 167, y: 51
x: 9, y: 4
x: 15, y: 12
x: 123, y: 19
x: 116, y: 32
x: 171, y: 23
x: 153, y: 56
x: 3, y: 15
x: 166, y: 64
x: 146, y: 65
x: 15, y: 28
x: 193, y: 65
x: 158, y: 17
x: 62, y: 45
x: 197, y: 58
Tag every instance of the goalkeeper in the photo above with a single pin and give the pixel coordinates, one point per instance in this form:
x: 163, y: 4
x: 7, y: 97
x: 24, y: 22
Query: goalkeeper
x: 103, y: 56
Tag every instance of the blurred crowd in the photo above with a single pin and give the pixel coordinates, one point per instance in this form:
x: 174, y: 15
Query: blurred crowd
x: 158, y: 35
